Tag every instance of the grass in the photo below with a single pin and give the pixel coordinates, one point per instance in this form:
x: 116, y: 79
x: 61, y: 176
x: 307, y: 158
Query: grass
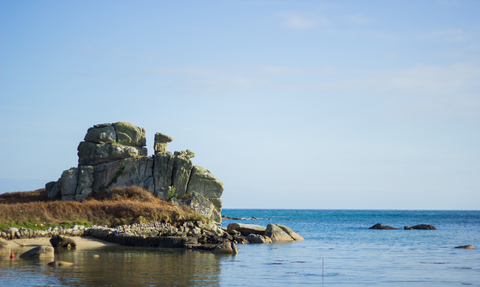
x: 125, y: 205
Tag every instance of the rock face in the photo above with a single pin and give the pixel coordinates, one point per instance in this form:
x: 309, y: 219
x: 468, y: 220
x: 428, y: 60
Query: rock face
x: 114, y: 155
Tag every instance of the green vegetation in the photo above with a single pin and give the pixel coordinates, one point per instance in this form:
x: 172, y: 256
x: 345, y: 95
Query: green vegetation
x: 172, y: 193
x: 125, y: 205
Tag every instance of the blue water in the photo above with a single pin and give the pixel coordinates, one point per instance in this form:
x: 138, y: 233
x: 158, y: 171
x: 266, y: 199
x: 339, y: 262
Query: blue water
x: 337, y: 251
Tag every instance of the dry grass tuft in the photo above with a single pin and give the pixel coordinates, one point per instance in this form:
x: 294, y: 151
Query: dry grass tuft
x: 124, y: 205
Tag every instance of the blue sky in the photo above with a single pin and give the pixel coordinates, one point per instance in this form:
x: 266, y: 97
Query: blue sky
x: 292, y: 104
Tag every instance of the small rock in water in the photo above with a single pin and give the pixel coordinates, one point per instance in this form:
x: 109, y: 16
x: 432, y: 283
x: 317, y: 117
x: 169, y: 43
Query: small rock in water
x: 465, y: 247
x: 59, y: 264
x: 96, y: 256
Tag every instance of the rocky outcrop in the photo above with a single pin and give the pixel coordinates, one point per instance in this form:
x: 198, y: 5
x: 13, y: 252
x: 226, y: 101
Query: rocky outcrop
x: 380, y: 226
x: 420, y: 226
x: 259, y: 234
x: 114, y: 155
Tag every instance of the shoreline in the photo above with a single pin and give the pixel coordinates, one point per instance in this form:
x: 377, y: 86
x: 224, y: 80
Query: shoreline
x: 83, y: 242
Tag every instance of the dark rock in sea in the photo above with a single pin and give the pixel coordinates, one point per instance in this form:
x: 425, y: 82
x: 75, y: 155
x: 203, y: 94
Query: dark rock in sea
x: 466, y: 247
x: 420, y: 226
x: 257, y: 238
x: 226, y: 248
x: 380, y: 226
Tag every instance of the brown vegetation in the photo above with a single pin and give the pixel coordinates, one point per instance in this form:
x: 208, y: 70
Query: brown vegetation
x: 125, y: 205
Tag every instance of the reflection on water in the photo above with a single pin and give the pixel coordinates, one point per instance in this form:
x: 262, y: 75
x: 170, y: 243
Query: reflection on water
x: 117, y: 265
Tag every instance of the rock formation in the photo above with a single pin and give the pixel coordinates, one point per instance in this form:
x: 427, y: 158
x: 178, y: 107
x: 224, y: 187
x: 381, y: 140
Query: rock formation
x: 114, y: 155
x: 259, y: 234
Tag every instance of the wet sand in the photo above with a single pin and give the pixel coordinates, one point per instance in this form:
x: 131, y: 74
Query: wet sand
x: 83, y: 242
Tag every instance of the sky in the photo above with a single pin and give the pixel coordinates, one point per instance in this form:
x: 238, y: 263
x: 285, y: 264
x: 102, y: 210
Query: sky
x: 291, y: 104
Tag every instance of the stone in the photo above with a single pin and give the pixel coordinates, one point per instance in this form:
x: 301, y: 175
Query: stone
x: 163, y: 171
x: 162, y: 138
x: 217, y: 202
x: 203, y: 182
x: 160, y: 147
x: 203, y: 206
x: 185, y: 153
x: 52, y: 189
x: 182, y: 167
x: 119, y: 151
x: 380, y: 226
x: 277, y: 234
x: 104, y: 134
x: 465, y: 247
x: 60, y: 264
x: 161, y: 142
x: 92, y: 153
x: 291, y: 233
x: 128, y: 134
x: 68, y: 182
x: 62, y: 241
x: 257, y: 238
x: 421, y: 226
x: 136, y: 171
x: 84, y: 182
x: 246, y: 229
x: 226, y: 248
x: 39, y: 252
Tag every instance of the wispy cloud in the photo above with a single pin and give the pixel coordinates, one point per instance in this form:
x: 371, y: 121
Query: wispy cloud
x: 302, y: 21
x: 440, y: 91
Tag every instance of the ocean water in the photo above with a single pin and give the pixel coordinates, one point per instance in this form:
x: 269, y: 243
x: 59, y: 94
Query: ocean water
x: 339, y: 250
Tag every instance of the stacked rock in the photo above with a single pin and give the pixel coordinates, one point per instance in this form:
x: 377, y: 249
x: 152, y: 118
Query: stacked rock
x: 114, y: 155
x: 161, y: 141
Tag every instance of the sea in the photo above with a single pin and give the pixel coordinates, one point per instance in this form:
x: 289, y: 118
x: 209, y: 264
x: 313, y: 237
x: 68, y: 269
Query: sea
x: 338, y: 250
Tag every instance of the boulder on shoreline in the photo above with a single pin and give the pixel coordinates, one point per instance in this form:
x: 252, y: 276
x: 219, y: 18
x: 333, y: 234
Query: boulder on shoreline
x: 380, y: 226
x: 39, y: 252
x: 246, y: 229
x: 62, y: 241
